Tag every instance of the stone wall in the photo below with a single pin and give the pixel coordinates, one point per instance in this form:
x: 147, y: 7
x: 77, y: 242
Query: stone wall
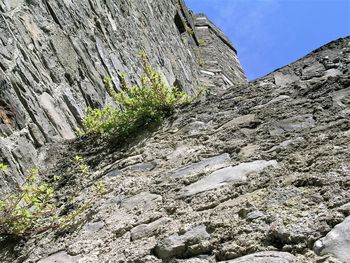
x: 54, y: 55
x: 260, y: 173
x: 219, y: 64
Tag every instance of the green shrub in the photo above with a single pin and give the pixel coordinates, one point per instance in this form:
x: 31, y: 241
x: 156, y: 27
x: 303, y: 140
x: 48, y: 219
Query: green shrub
x: 32, y: 209
x: 3, y: 167
x: 29, y: 210
x: 101, y: 188
x: 83, y: 167
x: 141, y: 105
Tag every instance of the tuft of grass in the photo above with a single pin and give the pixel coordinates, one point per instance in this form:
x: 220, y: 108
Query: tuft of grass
x: 199, y: 56
x: 202, y: 42
x: 83, y: 167
x: 202, y: 90
x: 189, y: 30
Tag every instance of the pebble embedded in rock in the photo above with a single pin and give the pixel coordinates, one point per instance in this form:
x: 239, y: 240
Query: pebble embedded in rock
x: 146, y: 230
x: 176, y: 245
x: 144, y: 201
x: 60, y: 257
x: 336, y: 242
x: 264, y: 257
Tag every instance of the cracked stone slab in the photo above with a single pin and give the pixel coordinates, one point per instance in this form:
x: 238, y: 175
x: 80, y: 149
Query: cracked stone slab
x: 236, y: 174
x: 146, y: 230
x: 275, y: 100
x: 60, y: 257
x: 144, y: 201
x: 284, y: 79
x: 245, y: 120
x: 313, y: 69
x: 93, y: 227
x: 140, y: 167
x: 336, y: 242
x: 176, y: 245
x: 195, y: 168
x: 200, y: 259
x: 296, y: 123
x: 339, y: 95
x: 264, y: 257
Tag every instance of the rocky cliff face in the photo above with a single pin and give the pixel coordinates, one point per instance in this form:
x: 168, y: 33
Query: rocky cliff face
x: 55, y: 54
x: 253, y: 172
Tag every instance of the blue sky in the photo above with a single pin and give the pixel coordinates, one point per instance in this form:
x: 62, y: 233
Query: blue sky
x: 270, y: 34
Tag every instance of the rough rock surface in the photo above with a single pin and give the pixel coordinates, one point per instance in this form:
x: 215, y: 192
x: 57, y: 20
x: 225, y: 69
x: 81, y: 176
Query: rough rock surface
x: 267, y: 162
x: 291, y: 188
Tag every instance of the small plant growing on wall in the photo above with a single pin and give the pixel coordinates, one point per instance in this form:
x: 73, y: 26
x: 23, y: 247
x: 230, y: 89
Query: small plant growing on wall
x: 29, y: 210
x: 199, y: 56
x: 141, y: 105
x: 32, y: 209
x: 3, y: 167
